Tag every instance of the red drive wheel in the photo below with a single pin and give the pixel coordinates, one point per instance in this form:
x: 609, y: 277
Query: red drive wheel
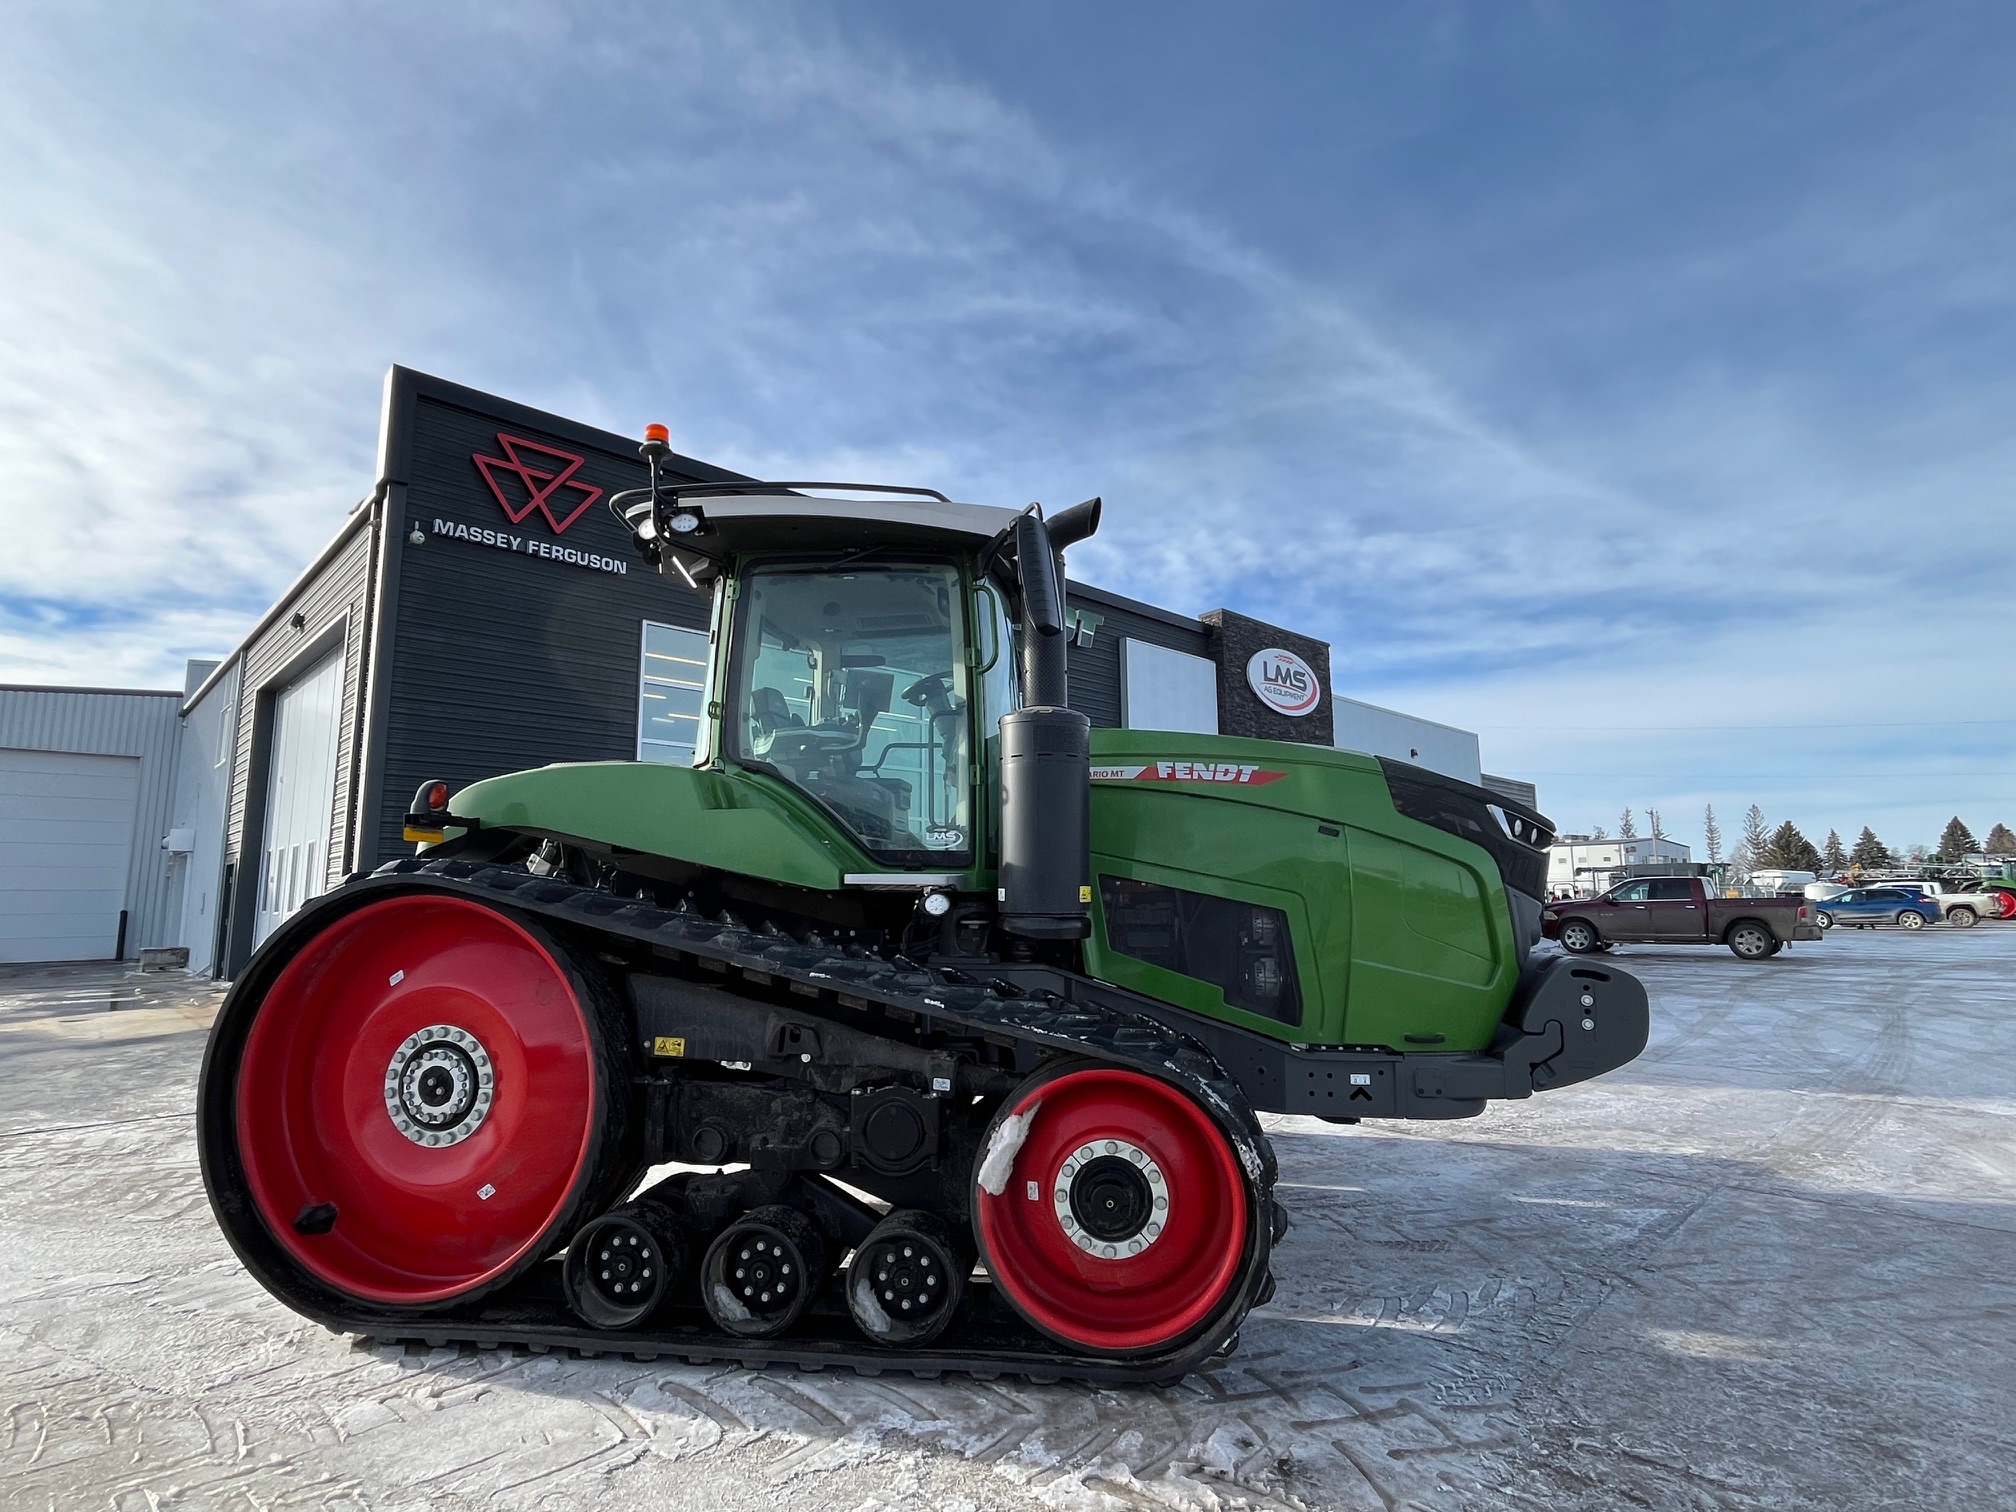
x: 1111, y: 1210
x: 2008, y: 904
x: 418, y: 1107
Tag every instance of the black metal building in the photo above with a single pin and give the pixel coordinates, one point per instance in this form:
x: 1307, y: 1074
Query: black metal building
x: 482, y: 611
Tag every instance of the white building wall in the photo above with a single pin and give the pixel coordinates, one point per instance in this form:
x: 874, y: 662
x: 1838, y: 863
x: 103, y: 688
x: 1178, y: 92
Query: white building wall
x: 112, y: 722
x: 1403, y: 737
x: 1570, y: 862
x: 1161, y: 689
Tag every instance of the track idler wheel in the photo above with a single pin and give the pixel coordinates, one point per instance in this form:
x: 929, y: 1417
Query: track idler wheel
x: 418, y: 1099
x: 622, y: 1267
x: 1111, y: 1210
x: 908, y: 1278
x: 762, y: 1272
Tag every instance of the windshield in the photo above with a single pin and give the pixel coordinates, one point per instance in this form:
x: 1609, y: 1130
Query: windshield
x: 852, y: 685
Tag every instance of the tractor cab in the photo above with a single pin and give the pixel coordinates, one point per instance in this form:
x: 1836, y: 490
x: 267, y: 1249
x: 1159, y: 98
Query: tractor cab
x: 862, y: 686
x: 864, y: 652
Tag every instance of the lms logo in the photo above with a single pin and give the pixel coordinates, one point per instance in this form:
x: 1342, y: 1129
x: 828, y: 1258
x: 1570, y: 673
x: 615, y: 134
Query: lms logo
x: 1284, y: 682
x: 540, y: 485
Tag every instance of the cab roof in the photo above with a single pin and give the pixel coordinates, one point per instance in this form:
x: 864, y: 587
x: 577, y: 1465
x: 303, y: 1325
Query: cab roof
x: 788, y: 521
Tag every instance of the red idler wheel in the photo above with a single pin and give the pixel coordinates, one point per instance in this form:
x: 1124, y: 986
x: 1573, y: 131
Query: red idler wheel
x: 2008, y: 903
x: 1110, y: 1210
x: 419, y: 1110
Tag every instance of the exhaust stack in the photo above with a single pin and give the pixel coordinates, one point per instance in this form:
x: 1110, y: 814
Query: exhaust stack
x: 1046, y: 753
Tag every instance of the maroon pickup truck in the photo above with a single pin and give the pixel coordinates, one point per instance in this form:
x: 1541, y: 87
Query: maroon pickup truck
x: 1678, y: 911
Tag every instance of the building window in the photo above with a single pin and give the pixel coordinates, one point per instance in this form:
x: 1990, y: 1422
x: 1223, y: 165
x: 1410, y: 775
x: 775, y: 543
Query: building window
x: 671, y: 693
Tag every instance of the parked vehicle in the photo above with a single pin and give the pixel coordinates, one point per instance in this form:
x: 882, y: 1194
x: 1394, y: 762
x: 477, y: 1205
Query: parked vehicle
x: 1678, y: 911
x: 1964, y: 909
x: 1820, y: 892
x: 1990, y: 899
x: 1777, y: 880
x: 1893, y: 903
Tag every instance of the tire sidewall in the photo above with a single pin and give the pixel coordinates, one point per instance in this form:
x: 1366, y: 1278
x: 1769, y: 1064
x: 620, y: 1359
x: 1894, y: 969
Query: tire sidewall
x: 1739, y: 931
x: 1576, y: 928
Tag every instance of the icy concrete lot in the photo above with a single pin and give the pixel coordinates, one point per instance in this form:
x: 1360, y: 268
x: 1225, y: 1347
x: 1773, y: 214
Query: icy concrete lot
x: 1768, y: 1266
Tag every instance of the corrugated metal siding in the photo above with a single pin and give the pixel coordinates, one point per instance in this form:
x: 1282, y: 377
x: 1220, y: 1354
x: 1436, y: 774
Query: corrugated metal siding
x: 1095, y: 664
x: 504, y: 660
x: 332, y: 597
x: 113, y: 724
x: 205, y: 763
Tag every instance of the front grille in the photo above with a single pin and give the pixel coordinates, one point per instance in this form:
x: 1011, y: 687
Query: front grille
x: 1516, y: 836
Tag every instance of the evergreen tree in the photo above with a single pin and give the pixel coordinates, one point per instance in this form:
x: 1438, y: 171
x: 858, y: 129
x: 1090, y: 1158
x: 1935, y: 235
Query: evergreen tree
x: 1756, y: 834
x: 1788, y: 850
x: 1658, y: 826
x: 1627, y: 826
x: 1834, y: 856
x: 1869, y: 851
x: 2000, y: 842
x: 1749, y: 852
x: 1599, y: 833
x: 1711, y: 832
x: 1956, y: 840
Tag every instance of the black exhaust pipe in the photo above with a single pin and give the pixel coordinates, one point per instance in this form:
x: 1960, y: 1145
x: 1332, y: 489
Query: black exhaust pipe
x: 1046, y: 753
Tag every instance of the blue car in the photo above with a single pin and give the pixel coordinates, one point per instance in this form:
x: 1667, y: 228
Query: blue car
x: 1864, y: 906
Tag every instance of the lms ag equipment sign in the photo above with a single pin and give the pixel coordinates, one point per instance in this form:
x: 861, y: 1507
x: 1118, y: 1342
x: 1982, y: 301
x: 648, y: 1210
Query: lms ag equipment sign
x: 1284, y: 682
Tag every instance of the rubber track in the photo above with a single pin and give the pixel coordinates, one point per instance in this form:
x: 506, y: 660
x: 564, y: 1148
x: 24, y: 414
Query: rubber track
x: 532, y: 1315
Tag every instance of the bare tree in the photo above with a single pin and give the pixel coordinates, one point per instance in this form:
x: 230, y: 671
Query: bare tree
x: 1658, y: 826
x: 1627, y: 826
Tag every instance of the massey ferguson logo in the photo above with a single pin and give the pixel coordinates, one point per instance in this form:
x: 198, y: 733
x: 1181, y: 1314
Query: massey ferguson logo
x: 537, y: 477
x: 1238, y: 772
x: 1284, y: 682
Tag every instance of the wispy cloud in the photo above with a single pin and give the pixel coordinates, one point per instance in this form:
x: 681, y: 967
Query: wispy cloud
x: 1594, y: 487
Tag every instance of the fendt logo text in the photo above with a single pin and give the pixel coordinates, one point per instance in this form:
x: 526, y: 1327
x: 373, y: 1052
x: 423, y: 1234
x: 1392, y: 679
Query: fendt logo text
x: 1284, y: 682
x: 549, y: 483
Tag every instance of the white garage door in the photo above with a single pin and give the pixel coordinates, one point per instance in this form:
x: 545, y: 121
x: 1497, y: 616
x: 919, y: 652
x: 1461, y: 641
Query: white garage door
x: 300, y: 796
x: 66, y: 842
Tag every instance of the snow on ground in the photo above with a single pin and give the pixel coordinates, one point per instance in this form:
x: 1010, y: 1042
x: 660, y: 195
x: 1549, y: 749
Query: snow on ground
x: 1769, y: 1265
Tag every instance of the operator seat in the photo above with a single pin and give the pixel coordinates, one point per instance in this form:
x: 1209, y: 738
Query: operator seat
x: 769, y: 712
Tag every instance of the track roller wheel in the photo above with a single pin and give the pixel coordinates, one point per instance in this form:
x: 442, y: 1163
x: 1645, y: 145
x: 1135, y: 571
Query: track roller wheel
x: 1110, y: 1209
x: 425, y: 1101
x: 621, y: 1267
x: 908, y: 1278
x: 762, y: 1272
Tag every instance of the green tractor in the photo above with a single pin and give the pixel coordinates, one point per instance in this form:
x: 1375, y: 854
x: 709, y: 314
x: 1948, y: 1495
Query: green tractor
x: 951, y: 1018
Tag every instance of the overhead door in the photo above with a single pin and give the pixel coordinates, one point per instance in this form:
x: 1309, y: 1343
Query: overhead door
x: 300, y: 796
x: 66, y: 846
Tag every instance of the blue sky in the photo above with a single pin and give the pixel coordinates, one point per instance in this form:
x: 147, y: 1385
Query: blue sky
x: 1632, y: 386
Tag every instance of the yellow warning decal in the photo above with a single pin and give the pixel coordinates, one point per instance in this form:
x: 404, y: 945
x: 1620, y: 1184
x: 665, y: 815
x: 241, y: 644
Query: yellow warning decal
x: 1084, y: 895
x: 667, y: 1044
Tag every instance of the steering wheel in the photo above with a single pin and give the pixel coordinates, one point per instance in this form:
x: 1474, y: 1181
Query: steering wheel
x: 931, y: 686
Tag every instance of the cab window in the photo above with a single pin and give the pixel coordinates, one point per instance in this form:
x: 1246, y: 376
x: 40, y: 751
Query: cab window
x: 1631, y: 892
x: 1672, y: 890
x: 853, y: 686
